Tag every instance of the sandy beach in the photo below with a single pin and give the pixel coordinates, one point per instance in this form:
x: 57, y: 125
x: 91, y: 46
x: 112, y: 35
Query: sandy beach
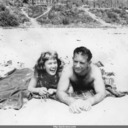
x: 110, y: 46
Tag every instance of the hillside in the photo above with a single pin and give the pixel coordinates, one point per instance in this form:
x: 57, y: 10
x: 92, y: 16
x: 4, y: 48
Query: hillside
x: 11, y: 16
x: 63, y: 13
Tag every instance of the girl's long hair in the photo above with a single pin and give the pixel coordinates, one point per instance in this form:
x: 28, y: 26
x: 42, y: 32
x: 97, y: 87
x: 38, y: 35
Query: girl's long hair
x: 39, y: 69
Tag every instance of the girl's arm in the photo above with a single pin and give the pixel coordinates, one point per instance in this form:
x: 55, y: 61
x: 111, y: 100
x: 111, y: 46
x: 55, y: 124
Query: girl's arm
x: 32, y: 87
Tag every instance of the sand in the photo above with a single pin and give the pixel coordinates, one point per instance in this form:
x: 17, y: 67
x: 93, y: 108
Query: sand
x: 107, y: 45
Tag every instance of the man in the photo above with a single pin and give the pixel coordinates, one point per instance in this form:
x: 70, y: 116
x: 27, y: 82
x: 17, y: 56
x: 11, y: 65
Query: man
x: 82, y: 76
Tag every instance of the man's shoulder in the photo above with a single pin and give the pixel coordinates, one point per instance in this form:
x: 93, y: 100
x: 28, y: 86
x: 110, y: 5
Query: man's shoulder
x: 94, y: 69
x: 67, y: 69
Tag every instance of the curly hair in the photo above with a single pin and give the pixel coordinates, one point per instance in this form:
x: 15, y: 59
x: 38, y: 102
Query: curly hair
x: 39, y: 69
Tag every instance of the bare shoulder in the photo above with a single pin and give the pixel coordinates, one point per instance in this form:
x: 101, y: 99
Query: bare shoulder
x: 67, y: 70
x: 95, y: 72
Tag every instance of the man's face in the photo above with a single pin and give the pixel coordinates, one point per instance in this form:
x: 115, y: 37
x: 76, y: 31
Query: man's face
x: 80, y: 63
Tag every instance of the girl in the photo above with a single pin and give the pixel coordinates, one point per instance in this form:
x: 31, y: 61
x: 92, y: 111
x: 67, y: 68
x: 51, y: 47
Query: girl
x: 46, y: 75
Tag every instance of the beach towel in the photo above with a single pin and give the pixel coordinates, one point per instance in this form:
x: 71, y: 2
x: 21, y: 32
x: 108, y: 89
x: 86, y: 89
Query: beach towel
x: 13, y: 88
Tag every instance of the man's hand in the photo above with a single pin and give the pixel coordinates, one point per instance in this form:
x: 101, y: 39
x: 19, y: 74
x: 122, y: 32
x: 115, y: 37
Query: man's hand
x: 86, y: 105
x: 51, y: 91
x: 42, y: 91
x: 80, y: 105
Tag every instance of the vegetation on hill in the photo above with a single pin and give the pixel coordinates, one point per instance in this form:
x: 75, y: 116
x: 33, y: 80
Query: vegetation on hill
x: 66, y: 15
x: 35, y: 11
x: 6, y: 18
x: 113, y: 16
x: 11, y: 16
x: 64, y: 12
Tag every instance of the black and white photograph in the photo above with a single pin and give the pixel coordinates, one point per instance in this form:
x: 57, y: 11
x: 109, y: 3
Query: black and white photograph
x: 63, y: 63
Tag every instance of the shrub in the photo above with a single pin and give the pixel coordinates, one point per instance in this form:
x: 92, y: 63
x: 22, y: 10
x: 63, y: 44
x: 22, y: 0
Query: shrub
x: 8, y: 20
x: 65, y: 21
x: 51, y: 14
x: 22, y: 18
x: 2, y: 8
x: 117, y: 10
x: 56, y: 21
x: 35, y: 11
x: 113, y: 16
x: 57, y: 7
x: 118, y: 16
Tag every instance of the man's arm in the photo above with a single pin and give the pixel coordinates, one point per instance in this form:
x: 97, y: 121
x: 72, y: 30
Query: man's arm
x: 63, y: 86
x: 99, y: 87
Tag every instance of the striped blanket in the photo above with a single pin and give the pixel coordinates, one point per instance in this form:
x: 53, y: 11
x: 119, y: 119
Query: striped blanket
x: 109, y: 81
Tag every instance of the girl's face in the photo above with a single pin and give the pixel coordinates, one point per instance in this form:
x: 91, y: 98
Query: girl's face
x: 51, y: 66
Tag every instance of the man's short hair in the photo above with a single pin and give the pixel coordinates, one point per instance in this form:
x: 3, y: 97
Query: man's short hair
x: 83, y: 51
